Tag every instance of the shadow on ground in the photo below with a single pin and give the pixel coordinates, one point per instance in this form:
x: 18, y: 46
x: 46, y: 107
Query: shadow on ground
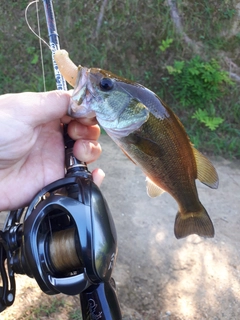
x: 162, y: 277
x: 158, y: 276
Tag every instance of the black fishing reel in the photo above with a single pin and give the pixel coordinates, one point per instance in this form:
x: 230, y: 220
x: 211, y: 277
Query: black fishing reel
x: 66, y: 240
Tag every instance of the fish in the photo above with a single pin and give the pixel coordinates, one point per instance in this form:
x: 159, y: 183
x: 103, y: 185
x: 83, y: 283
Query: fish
x: 153, y: 138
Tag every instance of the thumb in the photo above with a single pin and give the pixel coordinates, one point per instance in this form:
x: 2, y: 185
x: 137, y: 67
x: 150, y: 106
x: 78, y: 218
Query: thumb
x: 37, y: 108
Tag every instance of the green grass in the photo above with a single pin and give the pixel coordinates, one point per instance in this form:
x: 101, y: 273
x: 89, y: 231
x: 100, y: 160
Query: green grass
x: 44, y: 310
x: 50, y: 307
x: 75, y: 315
x: 137, y: 40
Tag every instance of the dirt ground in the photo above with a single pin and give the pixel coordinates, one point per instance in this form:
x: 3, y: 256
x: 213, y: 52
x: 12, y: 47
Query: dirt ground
x: 158, y: 276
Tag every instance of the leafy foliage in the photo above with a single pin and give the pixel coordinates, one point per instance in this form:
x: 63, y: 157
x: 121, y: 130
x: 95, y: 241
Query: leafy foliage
x: 197, y: 83
x: 165, y: 44
x: 138, y: 40
x: 200, y: 89
x: 211, y: 122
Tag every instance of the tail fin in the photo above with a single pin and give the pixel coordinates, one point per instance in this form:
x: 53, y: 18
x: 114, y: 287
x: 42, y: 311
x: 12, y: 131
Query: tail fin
x: 193, y: 223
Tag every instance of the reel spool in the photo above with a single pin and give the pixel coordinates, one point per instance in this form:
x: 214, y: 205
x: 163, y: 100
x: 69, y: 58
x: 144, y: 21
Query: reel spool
x: 69, y: 242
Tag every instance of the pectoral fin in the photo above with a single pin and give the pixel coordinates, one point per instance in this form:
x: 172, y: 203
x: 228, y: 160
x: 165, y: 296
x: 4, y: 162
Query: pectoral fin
x: 148, y: 146
x: 128, y: 156
x: 152, y: 189
x: 206, y: 172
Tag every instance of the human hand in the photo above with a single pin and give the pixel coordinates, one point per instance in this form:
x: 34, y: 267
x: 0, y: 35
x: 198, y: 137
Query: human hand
x: 31, y: 144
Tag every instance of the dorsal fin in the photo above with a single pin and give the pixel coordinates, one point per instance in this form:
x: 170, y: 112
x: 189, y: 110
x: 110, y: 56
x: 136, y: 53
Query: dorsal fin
x: 152, y: 189
x: 206, y: 172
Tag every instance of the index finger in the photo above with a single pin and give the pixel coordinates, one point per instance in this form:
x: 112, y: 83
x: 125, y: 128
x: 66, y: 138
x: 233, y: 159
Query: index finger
x: 36, y: 108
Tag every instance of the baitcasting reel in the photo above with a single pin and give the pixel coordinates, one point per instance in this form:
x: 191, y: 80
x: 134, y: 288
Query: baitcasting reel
x: 66, y: 240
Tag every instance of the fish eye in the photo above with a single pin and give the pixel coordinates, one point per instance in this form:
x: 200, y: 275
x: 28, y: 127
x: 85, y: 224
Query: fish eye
x: 106, y: 84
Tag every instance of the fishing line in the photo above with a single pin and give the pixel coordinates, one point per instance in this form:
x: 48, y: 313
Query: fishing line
x: 38, y: 36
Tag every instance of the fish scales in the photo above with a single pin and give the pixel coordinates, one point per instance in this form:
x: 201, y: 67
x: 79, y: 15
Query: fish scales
x: 170, y: 166
x: 153, y: 137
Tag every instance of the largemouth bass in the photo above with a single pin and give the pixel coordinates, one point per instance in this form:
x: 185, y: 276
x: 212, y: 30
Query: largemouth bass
x: 152, y: 136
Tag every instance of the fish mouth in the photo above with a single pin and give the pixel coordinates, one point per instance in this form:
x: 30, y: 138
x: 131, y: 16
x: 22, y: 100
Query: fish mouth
x: 82, y: 96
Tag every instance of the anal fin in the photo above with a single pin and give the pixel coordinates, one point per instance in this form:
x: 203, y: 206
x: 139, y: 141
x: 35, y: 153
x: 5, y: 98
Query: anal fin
x: 152, y: 189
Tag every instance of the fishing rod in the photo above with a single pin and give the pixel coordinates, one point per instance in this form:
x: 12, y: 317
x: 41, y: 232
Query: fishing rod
x: 65, y: 238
